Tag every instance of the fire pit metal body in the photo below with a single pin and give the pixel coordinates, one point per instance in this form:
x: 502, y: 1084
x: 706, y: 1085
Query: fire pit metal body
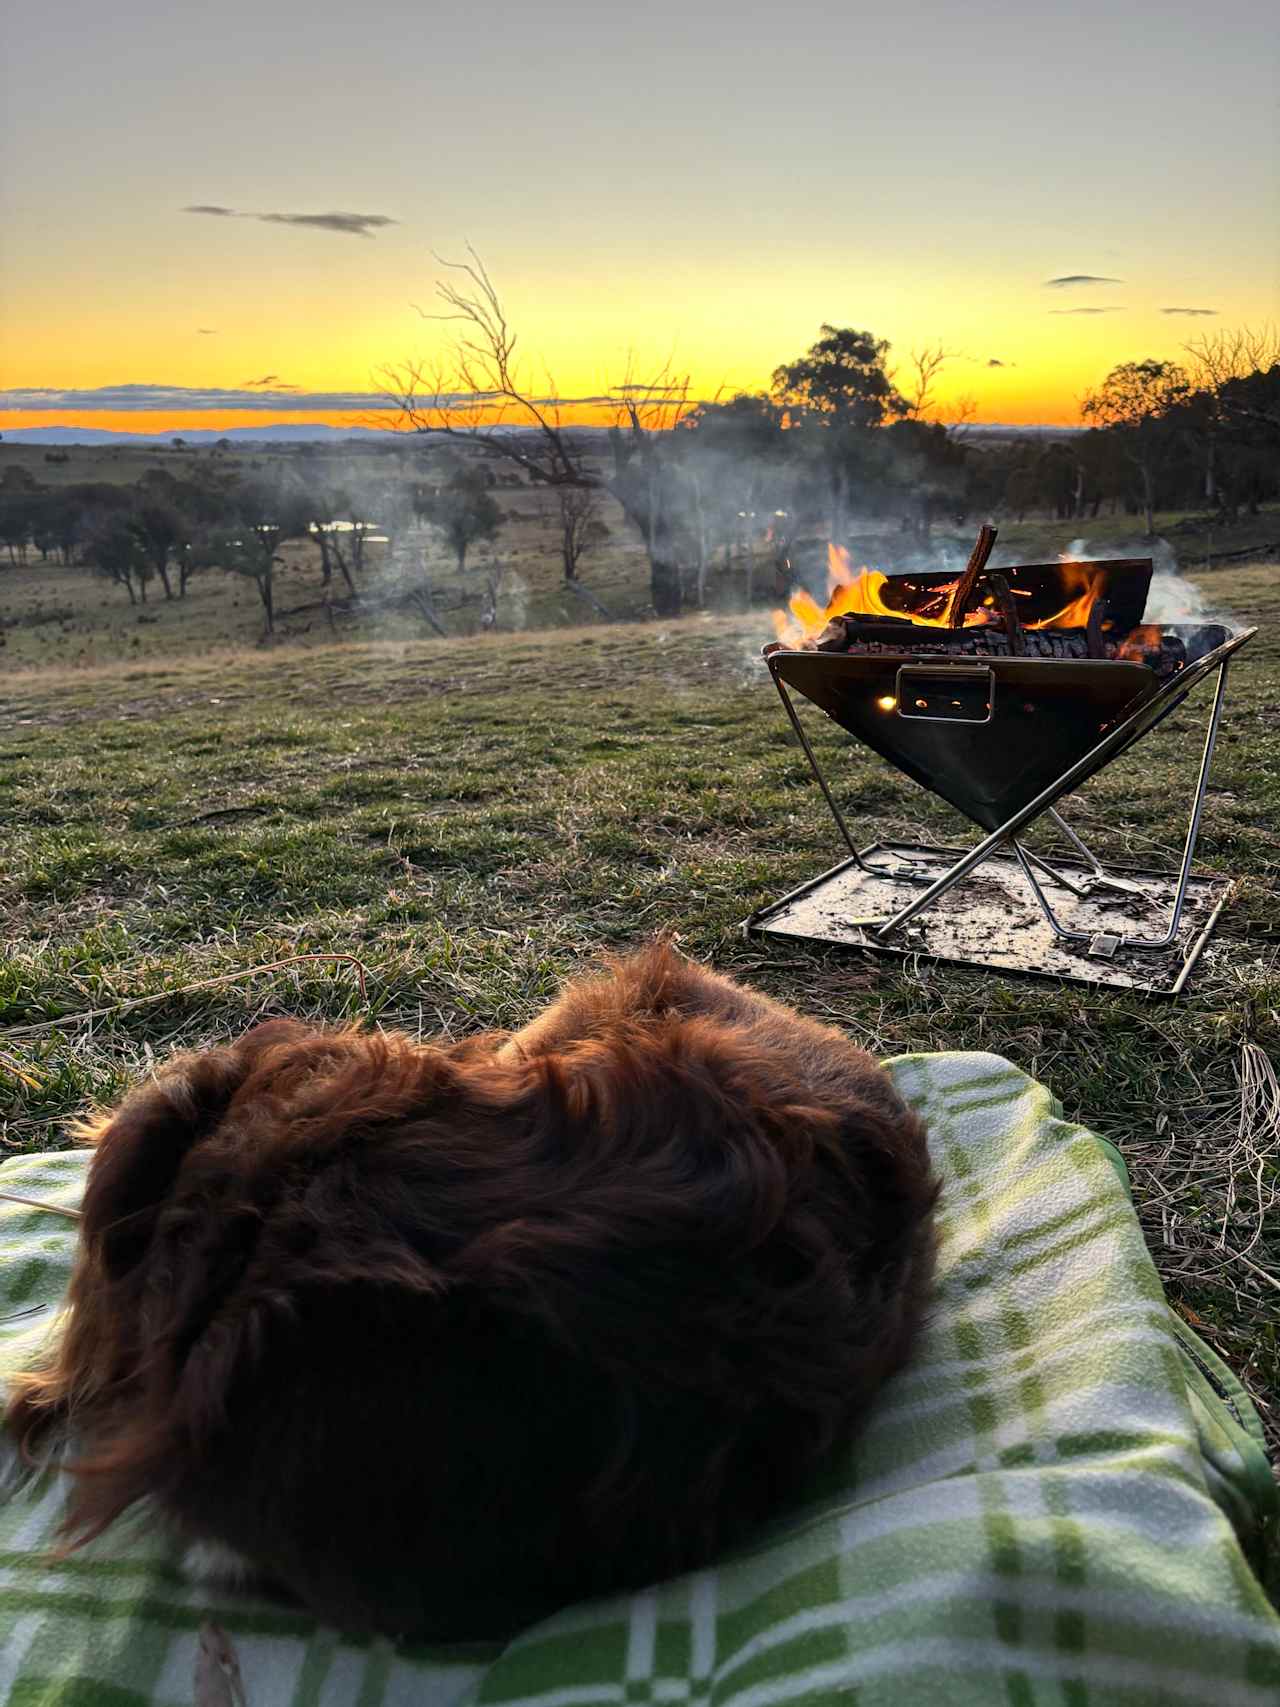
x: 1003, y: 739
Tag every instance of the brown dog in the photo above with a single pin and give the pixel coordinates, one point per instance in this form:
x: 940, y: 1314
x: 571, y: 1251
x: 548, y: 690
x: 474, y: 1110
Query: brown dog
x: 442, y: 1339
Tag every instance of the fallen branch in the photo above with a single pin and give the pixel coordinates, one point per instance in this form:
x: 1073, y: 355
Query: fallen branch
x: 362, y: 972
x: 592, y: 600
x: 224, y: 812
x: 35, y: 1203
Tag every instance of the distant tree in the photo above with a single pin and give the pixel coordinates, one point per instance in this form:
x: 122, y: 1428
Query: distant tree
x: 835, y: 396
x: 398, y: 507
x: 45, y: 529
x: 337, y: 524
x: 1134, y: 403
x: 927, y: 472
x: 581, y: 529
x: 733, y: 457
x: 1230, y: 412
x: 348, y: 542
x: 462, y: 511
x: 164, y: 534
x: 114, y: 552
x: 477, y: 395
x: 178, y: 444
x: 927, y: 364
x: 264, y: 516
x: 16, y: 517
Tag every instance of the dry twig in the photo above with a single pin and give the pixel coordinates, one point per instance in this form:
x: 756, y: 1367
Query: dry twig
x: 362, y: 972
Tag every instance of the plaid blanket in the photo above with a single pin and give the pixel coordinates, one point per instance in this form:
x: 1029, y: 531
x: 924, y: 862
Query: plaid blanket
x: 1055, y: 1503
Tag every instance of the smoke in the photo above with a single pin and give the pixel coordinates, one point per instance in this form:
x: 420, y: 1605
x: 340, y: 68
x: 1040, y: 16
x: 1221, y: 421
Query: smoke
x: 1171, y: 598
x: 515, y: 599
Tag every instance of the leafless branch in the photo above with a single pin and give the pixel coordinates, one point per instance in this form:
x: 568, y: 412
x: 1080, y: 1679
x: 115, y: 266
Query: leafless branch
x: 928, y: 363
x: 481, y: 389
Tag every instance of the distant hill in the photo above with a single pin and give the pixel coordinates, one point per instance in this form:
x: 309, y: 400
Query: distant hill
x: 316, y: 432
x: 280, y: 432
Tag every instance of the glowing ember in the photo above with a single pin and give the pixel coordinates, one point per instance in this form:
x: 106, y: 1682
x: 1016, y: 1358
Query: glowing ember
x: 863, y: 594
x: 1140, y: 641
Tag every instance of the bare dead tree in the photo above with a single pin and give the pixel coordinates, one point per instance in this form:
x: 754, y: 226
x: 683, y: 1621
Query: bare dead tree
x: 478, y: 395
x: 961, y: 413
x: 645, y: 482
x: 928, y: 363
x: 580, y: 526
x: 1221, y: 361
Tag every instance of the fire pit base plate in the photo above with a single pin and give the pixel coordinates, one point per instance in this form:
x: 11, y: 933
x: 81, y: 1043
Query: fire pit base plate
x: 991, y: 920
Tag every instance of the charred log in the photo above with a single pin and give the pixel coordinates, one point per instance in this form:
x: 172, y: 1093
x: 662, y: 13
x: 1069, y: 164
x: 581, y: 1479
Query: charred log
x: 1008, y: 608
x: 962, y: 597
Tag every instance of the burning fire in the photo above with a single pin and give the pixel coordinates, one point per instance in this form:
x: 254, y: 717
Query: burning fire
x: 862, y: 594
x: 1140, y: 642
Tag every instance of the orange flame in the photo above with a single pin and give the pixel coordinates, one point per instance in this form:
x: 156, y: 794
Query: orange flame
x: 862, y: 594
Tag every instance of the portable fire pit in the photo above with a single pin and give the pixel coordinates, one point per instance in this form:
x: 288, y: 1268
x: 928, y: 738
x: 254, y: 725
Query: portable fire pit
x: 1002, y: 692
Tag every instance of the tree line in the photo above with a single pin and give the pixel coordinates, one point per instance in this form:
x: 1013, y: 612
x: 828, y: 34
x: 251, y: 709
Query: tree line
x: 151, y: 538
x: 841, y: 435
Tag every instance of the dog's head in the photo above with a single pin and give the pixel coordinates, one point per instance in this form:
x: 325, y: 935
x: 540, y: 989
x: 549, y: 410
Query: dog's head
x: 555, y: 1322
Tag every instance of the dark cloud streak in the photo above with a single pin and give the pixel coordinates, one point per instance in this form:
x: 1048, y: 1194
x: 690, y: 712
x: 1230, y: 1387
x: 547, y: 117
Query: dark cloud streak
x: 349, y: 224
x: 256, y: 395
x: 1068, y: 281
x: 1209, y: 312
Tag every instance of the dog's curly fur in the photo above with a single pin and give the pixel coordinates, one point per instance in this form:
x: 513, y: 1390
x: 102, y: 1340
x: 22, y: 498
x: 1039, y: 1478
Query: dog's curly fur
x: 443, y: 1338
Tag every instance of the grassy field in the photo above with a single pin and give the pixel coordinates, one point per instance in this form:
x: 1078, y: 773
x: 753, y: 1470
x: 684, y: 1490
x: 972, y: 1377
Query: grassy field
x: 475, y: 819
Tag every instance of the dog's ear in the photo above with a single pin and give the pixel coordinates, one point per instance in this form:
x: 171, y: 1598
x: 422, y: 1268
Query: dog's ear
x: 142, y: 1144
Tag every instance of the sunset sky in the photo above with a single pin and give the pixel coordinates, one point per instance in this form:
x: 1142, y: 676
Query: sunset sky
x: 706, y: 183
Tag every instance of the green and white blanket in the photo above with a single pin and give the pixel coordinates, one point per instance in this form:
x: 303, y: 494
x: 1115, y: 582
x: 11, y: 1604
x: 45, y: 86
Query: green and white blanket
x: 1058, y: 1502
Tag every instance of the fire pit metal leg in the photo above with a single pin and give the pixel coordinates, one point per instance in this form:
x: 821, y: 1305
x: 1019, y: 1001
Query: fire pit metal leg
x: 816, y: 768
x: 1193, y: 826
x: 1051, y: 918
x: 1113, y: 743
x: 1086, y: 853
x: 1113, y: 943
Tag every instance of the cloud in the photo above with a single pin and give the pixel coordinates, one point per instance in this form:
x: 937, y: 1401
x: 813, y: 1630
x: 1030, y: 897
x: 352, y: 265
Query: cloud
x: 255, y: 396
x: 349, y: 224
x: 1068, y: 281
x: 207, y: 331
x: 1114, y: 309
x: 1191, y: 311
x: 138, y: 398
x: 352, y: 224
x: 994, y: 361
x: 269, y: 379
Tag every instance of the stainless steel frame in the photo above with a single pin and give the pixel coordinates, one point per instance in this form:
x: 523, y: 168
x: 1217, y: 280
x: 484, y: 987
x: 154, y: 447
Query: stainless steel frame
x: 1147, y: 716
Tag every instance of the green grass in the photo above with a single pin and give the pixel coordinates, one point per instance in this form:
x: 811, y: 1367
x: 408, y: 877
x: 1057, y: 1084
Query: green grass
x: 476, y: 819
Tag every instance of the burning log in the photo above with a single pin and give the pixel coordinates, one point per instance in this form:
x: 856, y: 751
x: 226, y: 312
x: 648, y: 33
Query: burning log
x: 964, y: 589
x: 1003, y: 594
x: 1093, y: 629
x: 1165, y: 654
